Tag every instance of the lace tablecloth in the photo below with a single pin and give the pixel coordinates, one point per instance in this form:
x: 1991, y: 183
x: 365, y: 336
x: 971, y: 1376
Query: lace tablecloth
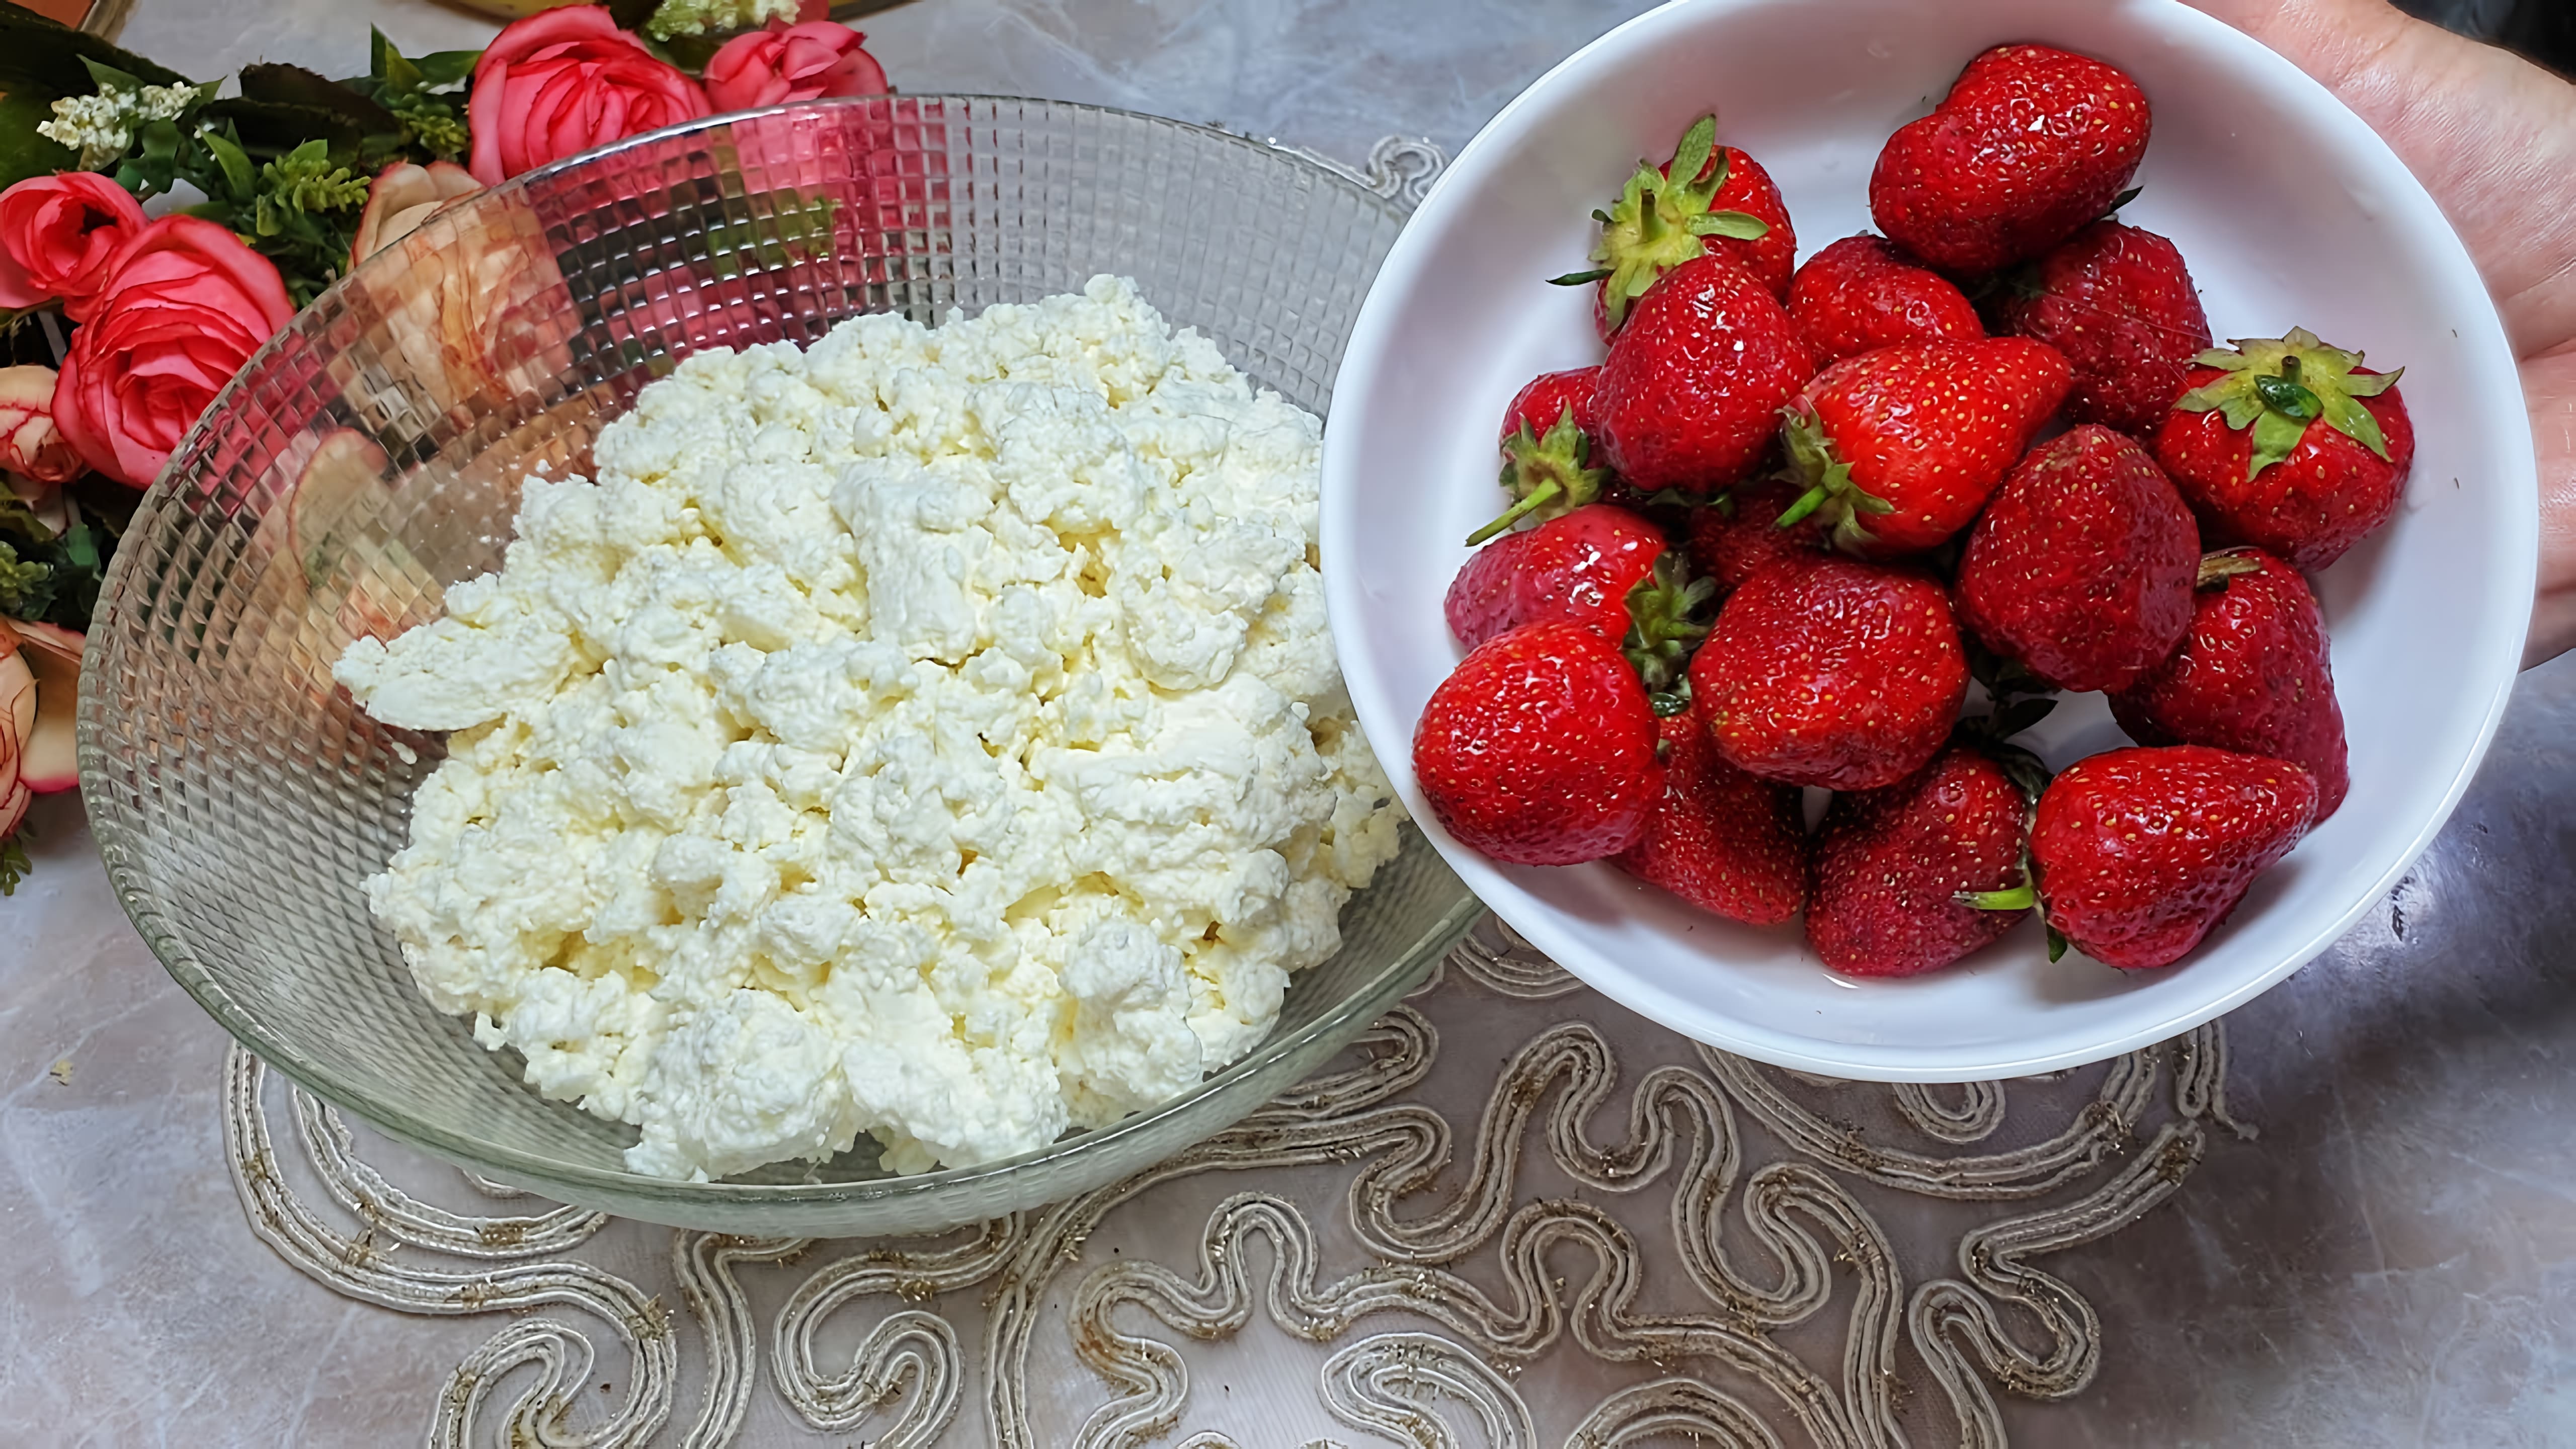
x: 1514, y: 1215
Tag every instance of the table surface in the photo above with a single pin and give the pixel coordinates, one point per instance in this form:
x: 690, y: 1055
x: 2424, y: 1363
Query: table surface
x: 2391, y: 1261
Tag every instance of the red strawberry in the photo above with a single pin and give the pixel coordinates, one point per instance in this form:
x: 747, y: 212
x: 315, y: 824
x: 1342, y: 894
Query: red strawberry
x: 1836, y: 673
x: 1539, y: 749
x: 2082, y: 565
x: 1551, y: 398
x: 1691, y: 393
x: 1578, y: 568
x: 1898, y: 448
x: 1892, y: 863
x: 1550, y: 438
x: 2252, y: 676
x: 2029, y: 146
x: 1730, y: 209
x: 2119, y: 303
x: 1861, y: 294
x: 2289, y: 445
x: 1722, y: 840
x: 1740, y: 536
x: 2140, y: 853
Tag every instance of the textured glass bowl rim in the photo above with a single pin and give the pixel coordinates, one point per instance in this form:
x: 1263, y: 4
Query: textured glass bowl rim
x: 526, y: 1169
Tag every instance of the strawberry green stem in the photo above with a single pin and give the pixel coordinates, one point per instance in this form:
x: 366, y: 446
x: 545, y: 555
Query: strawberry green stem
x: 1808, y: 502
x: 1546, y: 477
x: 2020, y: 898
x: 2217, y: 568
x: 1536, y: 499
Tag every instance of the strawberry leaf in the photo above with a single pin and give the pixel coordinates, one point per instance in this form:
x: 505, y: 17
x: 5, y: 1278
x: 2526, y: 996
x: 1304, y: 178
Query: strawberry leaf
x: 1547, y: 477
x: 2354, y: 421
x: 1690, y: 158
x: 1741, y: 226
x: 2370, y: 384
x: 2276, y: 436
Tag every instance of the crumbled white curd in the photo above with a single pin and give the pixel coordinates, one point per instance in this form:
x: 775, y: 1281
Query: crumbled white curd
x: 933, y: 734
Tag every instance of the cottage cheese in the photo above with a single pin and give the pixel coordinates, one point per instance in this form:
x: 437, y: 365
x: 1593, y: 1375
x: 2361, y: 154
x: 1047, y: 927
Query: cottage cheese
x: 933, y: 734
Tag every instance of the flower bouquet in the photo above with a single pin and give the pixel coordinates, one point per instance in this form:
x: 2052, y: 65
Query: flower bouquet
x: 157, y: 230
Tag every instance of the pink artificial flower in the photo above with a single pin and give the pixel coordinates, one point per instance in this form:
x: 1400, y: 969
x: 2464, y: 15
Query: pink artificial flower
x: 402, y: 197
x: 57, y: 235
x: 184, y: 306
x: 792, y: 63
x: 31, y: 446
x: 563, y: 81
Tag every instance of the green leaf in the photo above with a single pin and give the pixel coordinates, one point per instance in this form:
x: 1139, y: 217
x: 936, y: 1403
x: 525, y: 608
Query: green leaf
x: 2207, y: 398
x: 26, y: 585
x: 1739, y: 225
x: 1579, y: 279
x: 443, y: 68
x: 1691, y: 156
x: 294, y: 85
x: 273, y: 128
x: 2355, y: 422
x: 108, y: 78
x: 2371, y: 384
x: 41, y: 54
x: 23, y: 153
x: 2275, y: 438
x: 241, y: 178
x: 14, y: 863
x: 2289, y: 398
x: 2225, y: 360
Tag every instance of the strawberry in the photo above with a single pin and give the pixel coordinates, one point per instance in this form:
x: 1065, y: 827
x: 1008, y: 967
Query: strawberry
x: 1730, y: 209
x: 1539, y: 748
x: 2252, y: 675
x: 1724, y: 841
x: 1549, y: 441
x: 1552, y: 398
x: 2082, y: 565
x: 1578, y: 568
x: 2289, y: 445
x: 2029, y: 146
x: 1691, y: 392
x: 2140, y: 852
x: 1891, y: 864
x: 1739, y: 536
x: 2119, y: 303
x: 1861, y: 294
x: 1898, y: 448
x: 1834, y: 673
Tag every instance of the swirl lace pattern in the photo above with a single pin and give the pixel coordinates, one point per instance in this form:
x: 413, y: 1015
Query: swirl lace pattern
x: 1706, y: 1246
x: 1718, y: 1253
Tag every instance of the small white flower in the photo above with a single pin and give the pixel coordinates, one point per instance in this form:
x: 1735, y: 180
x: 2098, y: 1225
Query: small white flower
x: 102, y: 126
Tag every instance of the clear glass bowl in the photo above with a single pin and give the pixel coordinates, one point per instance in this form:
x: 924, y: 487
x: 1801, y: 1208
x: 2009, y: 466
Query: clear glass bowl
x: 371, y: 456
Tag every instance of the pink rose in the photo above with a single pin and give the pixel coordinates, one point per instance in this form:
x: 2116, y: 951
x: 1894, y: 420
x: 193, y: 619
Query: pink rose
x: 563, y: 81
x: 792, y: 63
x: 30, y: 445
x: 402, y: 197
x: 57, y: 235
x: 185, y: 305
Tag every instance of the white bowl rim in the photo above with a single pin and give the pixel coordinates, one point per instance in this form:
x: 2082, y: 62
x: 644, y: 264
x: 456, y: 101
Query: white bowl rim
x: 2497, y: 656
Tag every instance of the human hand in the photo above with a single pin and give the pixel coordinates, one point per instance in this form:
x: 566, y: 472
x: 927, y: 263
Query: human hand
x: 2493, y: 138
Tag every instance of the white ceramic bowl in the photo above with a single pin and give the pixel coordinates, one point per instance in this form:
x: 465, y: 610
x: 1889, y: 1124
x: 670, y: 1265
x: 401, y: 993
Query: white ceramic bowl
x: 2290, y: 212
